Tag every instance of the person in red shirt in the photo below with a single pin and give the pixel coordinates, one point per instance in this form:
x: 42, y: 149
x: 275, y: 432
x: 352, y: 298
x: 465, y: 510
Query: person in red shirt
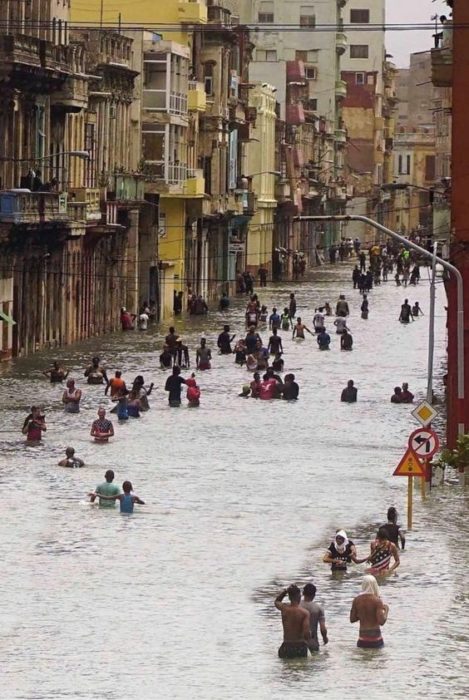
x: 268, y: 387
x: 193, y: 391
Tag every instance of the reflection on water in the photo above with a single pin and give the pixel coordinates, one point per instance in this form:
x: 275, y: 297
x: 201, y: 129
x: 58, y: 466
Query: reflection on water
x: 242, y: 497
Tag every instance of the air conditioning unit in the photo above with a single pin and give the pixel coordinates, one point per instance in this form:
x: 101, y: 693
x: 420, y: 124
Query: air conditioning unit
x: 234, y: 20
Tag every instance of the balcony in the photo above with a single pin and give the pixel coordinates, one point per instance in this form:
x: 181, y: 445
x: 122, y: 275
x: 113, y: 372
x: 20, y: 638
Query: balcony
x: 127, y: 188
x: 442, y: 67
x: 25, y: 60
x: 191, y: 12
x: 194, y: 185
x: 72, y: 95
x: 341, y: 135
x: 196, y: 97
x: 296, y: 73
x: 90, y: 200
x: 34, y: 208
x: 157, y: 101
x: 341, y: 43
x: 340, y: 89
x: 171, y: 173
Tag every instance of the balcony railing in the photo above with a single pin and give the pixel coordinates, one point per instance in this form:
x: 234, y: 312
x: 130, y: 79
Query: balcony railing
x: 90, y: 197
x: 442, y: 67
x: 128, y: 188
x: 170, y: 173
x: 155, y: 101
x: 196, y: 97
x: 25, y: 207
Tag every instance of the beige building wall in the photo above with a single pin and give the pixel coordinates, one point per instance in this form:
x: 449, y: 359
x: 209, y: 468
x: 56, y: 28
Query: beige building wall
x: 261, y: 164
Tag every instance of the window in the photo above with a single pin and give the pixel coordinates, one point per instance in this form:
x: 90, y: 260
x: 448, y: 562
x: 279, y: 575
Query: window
x: 307, y: 16
x: 404, y: 165
x: 208, y: 79
x: 359, y: 78
x: 359, y: 16
x: 267, y: 55
x: 266, y: 13
x: 359, y: 51
x: 311, y: 73
x: 312, y: 104
x: 307, y: 56
x: 429, y: 168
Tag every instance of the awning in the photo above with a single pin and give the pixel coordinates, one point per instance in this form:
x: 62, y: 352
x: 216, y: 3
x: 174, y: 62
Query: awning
x: 7, y: 319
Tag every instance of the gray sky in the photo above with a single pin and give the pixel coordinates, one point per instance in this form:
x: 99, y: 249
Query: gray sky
x: 401, y: 44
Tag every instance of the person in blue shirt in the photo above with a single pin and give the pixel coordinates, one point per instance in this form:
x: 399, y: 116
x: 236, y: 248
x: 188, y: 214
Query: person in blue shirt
x: 324, y: 340
x: 274, y: 319
x: 127, y: 499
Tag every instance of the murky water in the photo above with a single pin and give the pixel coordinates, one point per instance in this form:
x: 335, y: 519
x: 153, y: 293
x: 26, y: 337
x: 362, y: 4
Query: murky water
x: 242, y: 497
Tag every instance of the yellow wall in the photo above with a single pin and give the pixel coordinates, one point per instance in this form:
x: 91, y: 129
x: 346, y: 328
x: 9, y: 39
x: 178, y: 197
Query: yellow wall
x: 172, y: 246
x: 142, y: 13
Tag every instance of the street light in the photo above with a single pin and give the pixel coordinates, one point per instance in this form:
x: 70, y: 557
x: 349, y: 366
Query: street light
x: 435, y: 259
x: 265, y: 172
x: 77, y: 154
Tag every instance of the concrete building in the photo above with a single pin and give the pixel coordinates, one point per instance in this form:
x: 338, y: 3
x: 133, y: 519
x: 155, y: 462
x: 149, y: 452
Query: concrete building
x: 195, y: 122
x: 416, y: 93
x: 304, y: 67
x: 69, y: 203
x: 363, y: 67
x: 414, y: 169
x: 260, y: 169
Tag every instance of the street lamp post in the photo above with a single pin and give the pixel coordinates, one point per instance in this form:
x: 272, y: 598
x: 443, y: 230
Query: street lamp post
x: 84, y: 155
x: 435, y: 259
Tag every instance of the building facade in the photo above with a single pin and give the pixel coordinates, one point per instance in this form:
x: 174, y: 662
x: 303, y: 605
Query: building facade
x: 68, y: 232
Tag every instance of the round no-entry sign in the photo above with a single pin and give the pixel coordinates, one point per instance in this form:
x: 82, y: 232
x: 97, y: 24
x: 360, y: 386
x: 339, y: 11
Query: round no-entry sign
x: 424, y: 442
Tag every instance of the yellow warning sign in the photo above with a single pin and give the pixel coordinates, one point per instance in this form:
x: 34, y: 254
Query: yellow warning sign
x: 410, y: 465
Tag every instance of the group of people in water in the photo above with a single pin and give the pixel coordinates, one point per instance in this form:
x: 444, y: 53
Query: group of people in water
x: 303, y: 617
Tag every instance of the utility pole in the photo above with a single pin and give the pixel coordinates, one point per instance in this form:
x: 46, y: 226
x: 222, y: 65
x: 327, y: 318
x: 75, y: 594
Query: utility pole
x: 458, y: 411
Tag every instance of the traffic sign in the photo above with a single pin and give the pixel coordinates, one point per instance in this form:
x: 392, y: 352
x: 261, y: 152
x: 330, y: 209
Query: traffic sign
x: 424, y: 413
x: 424, y: 442
x: 410, y: 465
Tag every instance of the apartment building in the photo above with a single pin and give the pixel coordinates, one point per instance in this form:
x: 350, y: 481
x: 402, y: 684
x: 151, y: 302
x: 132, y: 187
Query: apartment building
x: 303, y: 65
x: 66, y: 247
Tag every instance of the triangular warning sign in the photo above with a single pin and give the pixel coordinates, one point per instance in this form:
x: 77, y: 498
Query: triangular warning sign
x: 410, y: 465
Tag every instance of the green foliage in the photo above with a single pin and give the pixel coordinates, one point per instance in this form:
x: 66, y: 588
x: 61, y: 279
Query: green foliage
x: 457, y: 458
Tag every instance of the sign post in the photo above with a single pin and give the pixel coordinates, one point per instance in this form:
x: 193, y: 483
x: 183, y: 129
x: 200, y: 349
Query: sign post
x: 410, y: 488
x: 410, y: 466
x: 424, y: 442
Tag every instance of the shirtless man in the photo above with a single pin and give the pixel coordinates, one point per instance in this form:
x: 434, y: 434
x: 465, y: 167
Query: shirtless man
x: 371, y: 612
x: 95, y: 373
x: 56, y: 373
x: 70, y: 460
x: 299, y: 329
x: 295, y: 621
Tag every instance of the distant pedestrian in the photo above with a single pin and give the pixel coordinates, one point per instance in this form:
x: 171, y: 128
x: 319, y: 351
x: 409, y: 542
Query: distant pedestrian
x: 346, y: 340
x: 342, y: 307
x: 70, y: 460
x: 395, y: 534
x: 71, y: 397
x: 406, y: 395
x: 102, y: 428
x: 106, y: 488
x: 349, y: 394
x: 174, y: 387
x: 397, y: 396
x: 406, y: 312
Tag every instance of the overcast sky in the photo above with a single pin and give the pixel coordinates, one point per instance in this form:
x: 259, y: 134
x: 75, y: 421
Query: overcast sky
x: 401, y: 44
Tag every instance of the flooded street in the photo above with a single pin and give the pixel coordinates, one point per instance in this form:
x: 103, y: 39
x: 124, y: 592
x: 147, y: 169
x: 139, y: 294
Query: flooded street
x: 242, y: 497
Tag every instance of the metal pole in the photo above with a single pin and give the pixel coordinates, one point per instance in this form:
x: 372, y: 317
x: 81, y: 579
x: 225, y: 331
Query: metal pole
x: 431, y: 330
x: 427, y: 254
